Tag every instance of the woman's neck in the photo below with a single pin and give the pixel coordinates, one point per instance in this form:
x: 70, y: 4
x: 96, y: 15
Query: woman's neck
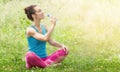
x: 36, y: 23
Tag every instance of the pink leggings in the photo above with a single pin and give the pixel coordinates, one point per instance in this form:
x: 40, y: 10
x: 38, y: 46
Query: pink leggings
x: 32, y: 60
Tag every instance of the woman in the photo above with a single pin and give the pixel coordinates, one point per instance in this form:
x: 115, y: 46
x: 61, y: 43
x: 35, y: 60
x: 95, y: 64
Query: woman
x: 37, y: 36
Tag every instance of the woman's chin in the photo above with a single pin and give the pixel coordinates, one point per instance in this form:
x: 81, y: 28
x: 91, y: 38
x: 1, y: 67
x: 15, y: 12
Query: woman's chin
x: 41, y: 18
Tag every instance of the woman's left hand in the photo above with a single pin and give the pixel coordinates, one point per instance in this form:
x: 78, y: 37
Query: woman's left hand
x: 65, y: 48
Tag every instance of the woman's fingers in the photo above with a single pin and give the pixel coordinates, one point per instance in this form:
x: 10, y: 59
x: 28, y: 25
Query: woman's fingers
x: 65, y: 49
x: 53, y: 19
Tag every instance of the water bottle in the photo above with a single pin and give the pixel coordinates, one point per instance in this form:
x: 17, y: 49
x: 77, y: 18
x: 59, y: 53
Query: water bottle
x: 49, y: 15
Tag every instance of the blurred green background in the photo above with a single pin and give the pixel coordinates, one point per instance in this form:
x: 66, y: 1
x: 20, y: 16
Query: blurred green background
x: 90, y: 28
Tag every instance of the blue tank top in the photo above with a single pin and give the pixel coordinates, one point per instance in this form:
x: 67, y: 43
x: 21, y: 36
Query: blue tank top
x: 37, y: 46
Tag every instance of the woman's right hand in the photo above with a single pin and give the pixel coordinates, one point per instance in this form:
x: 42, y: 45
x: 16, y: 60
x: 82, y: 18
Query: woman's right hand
x: 53, y: 20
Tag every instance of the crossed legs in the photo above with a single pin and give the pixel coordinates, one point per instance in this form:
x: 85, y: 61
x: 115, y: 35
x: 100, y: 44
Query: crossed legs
x: 32, y: 60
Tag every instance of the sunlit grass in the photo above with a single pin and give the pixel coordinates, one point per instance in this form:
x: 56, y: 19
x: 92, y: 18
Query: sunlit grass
x: 90, y: 28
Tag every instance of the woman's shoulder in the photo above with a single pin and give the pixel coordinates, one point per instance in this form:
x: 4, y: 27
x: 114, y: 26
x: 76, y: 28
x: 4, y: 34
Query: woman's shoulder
x: 30, y: 31
x: 29, y: 28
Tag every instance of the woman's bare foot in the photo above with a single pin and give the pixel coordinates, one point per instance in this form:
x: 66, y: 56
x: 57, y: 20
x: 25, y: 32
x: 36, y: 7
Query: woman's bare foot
x: 57, y: 64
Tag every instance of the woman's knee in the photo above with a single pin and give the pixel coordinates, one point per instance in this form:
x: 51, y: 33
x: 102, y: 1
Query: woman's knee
x: 63, y: 52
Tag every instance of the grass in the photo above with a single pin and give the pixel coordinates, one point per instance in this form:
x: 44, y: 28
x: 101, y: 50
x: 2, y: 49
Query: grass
x: 89, y: 28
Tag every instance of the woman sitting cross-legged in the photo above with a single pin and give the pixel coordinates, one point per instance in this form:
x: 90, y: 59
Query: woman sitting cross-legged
x: 37, y: 36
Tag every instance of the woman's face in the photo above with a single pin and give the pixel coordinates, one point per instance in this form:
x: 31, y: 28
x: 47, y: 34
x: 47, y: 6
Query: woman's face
x: 38, y: 13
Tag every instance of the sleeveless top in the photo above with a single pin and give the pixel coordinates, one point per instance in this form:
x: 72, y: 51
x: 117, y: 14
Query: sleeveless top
x: 37, y: 46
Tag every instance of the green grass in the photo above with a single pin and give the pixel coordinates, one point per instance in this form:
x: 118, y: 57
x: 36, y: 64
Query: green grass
x: 91, y: 30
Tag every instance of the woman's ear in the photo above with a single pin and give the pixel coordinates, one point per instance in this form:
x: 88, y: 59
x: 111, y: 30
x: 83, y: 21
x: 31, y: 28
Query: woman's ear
x: 33, y: 15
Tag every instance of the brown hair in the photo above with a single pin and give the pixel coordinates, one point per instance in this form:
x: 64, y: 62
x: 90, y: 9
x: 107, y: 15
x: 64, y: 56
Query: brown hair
x: 29, y: 11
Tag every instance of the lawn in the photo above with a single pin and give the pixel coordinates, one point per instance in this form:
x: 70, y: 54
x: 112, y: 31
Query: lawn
x: 90, y: 28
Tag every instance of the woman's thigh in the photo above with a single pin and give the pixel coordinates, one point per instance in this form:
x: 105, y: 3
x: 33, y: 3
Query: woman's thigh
x: 57, y: 56
x: 32, y: 60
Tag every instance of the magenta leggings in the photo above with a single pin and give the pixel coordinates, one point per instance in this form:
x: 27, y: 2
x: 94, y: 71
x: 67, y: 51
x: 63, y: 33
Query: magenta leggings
x: 32, y: 60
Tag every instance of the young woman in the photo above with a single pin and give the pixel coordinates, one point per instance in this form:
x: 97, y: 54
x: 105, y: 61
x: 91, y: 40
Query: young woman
x: 37, y: 36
